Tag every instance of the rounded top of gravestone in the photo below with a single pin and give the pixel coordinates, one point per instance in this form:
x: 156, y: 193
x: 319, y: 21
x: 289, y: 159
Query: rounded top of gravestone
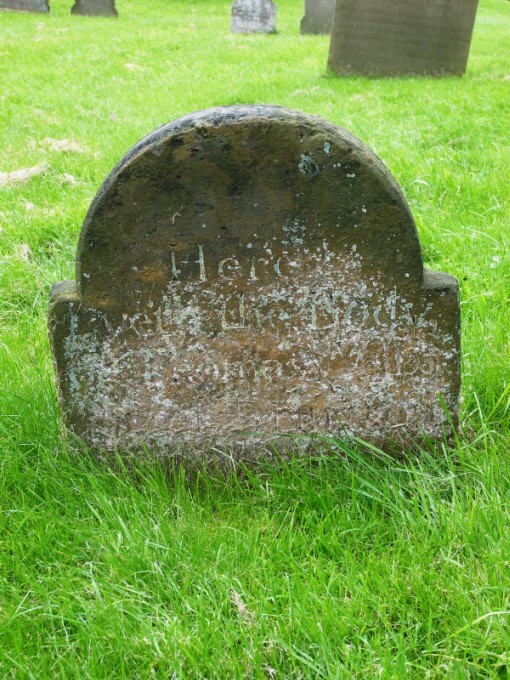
x: 233, y: 182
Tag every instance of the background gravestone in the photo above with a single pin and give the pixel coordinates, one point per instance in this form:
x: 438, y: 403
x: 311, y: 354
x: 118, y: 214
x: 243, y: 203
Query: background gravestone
x: 99, y: 8
x: 400, y: 37
x: 253, y: 16
x: 318, y: 16
x: 26, y: 5
x: 246, y: 273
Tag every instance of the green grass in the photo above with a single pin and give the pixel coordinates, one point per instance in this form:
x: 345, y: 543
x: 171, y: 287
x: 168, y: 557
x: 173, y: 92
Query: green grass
x: 345, y: 565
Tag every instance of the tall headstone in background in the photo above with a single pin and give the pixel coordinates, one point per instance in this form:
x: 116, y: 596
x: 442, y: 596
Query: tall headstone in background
x: 26, y: 5
x: 95, y: 8
x: 253, y: 16
x: 318, y: 16
x: 401, y: 37
x: 249, y: 273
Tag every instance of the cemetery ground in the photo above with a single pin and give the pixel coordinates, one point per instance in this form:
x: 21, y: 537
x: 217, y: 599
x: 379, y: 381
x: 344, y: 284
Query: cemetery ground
x: 346, y: 564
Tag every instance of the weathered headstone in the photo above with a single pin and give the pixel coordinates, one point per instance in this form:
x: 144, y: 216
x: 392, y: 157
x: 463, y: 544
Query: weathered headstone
x: 246, y: 273
x: 318, y: 16
x: 95, y: 8
x: 26, y: 5
x: 253, y: 16
x: 401, y: 37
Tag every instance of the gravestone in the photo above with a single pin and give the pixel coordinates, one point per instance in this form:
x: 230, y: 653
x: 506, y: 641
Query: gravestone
x: 253, y: 16
x: 95, y: 8
x: 318, y: 16
x: 249, y: 273
x: 26, y: 5
x: 401, y: 37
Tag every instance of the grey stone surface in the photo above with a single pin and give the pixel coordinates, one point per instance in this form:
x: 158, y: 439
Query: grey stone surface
x: 401, y: 37
x: 250, y: 276
x: 253, y: 16
x: 95, y: 8
x: 26, y: 5
x: 318, y: 16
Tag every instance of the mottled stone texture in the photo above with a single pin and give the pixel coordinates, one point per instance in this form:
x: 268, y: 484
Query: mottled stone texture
x: 253, y: 16
x: 318, y: 16
x: 95, y: 8
x: 26, y: 5
x: 246, y: 273
x: 401, y: 37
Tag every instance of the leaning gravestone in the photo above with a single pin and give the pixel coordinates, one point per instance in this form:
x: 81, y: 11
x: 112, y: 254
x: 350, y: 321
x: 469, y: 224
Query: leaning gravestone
x: 401, y: 37
x: 248, y: 273
x: 318, y: 16
x: 97, y: 8
x: 253, y: 16
x: 26, y: 5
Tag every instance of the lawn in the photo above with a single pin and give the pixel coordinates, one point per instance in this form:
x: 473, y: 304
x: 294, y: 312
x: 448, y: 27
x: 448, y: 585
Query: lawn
x: 346, y: 564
